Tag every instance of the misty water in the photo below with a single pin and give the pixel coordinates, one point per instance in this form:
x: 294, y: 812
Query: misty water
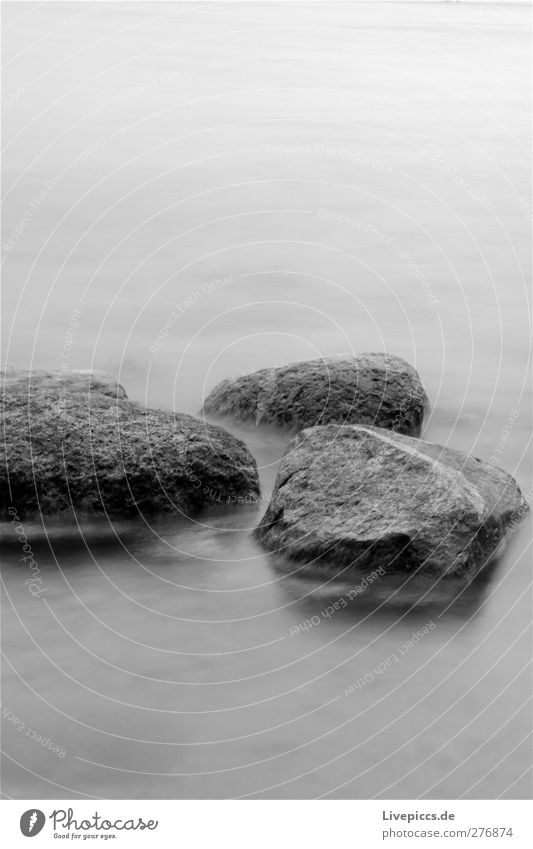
x: 216, y: 188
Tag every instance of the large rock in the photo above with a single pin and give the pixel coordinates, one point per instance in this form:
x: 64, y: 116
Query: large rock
x: 351, y: 499
x: 69, y: 380
x: 94, y: 454
x: 373, y: 389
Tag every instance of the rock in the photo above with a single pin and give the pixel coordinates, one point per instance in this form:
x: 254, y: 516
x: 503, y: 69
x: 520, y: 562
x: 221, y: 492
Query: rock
x: 71, y: 380
x: 94, y: 454
x: 372, y: 389
x: 350, y: 499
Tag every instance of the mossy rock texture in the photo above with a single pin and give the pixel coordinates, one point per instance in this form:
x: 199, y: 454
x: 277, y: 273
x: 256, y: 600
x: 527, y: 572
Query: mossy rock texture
x: 351, y: 499
x: 94, y: 454
x: 28, y: 381
x: 373, y: 389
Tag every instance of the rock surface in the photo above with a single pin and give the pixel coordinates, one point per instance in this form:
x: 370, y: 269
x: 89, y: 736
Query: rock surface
x: 372, y: 389
x: 350, y: 499
x: 93, y: 454
x: 71, y: 380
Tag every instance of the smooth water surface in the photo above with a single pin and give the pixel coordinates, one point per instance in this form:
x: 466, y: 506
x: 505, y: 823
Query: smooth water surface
x: 215, y: 188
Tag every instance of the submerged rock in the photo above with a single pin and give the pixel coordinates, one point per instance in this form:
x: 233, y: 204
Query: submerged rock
x: 351, y: 499
x: 71, y: 380
x: 372, y: 389
x: 92, y: 454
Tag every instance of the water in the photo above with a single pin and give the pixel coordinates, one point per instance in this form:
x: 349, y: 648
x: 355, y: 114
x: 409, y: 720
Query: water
x: 269, y: 183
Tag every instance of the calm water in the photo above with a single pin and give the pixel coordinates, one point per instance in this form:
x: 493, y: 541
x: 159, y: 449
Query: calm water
x: 265, y: 183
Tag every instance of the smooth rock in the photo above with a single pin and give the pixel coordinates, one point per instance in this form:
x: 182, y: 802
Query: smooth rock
x: 373, y: 389
x: 94, y: 454
x: 350, y: 499
x: 68, y: 380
